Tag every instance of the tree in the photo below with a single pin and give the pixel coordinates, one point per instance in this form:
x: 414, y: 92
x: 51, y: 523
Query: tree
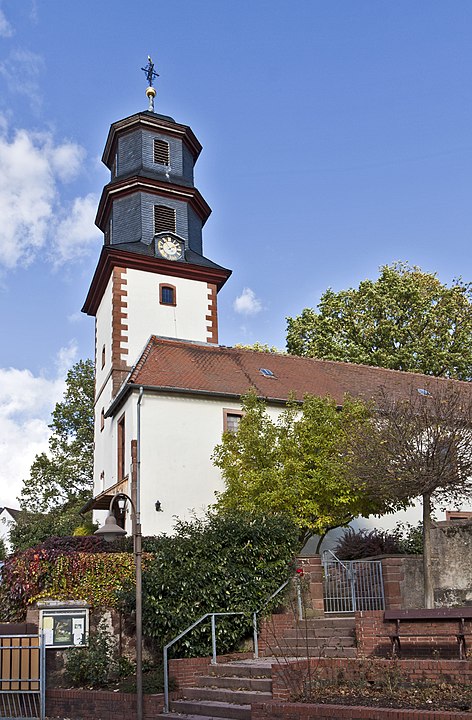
x: 405, y: 320
x: 294, y: 465
x: 259, y: 347
x: 61, y: 480
x: 420, y: 446
x: 31, y: 529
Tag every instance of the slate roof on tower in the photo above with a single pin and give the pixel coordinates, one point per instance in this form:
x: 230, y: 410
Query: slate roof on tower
x: 177, y: 366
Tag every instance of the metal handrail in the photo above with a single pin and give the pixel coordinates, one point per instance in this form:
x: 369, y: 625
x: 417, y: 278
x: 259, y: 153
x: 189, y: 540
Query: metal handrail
x: 337, y: 559
x: 165, y: 709
x: 179, y: 637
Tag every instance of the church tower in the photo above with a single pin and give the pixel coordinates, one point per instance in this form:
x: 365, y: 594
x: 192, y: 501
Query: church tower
x: 152, y: 284
x: 152, y: 277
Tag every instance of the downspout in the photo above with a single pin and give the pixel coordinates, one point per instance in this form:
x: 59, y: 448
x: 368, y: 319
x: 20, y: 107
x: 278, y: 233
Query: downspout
x: 138, y: 452
x: 138, y: 558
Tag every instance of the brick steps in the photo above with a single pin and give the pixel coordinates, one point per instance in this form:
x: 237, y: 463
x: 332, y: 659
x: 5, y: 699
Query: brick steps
x: 237, y: 682
x: 316, y: 637
x: 209, y: 709
x: 226, y: 695
x: 225, y: 691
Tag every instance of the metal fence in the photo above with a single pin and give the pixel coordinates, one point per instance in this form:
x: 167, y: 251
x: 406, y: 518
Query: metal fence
x: 22, y: 686
x: 351, y: 585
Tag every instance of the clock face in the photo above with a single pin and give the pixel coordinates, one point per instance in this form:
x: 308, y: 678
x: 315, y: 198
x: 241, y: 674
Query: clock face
x: 170, y: 248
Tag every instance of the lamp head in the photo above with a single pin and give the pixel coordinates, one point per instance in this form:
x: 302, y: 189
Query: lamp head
x: 110, y: 530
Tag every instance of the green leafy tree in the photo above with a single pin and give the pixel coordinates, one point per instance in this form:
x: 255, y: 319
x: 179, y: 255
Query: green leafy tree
x: 259, y: 347
x: 405, y: 320
x: 31, y: 529
x: 61, y: 480
x: 295, y: 465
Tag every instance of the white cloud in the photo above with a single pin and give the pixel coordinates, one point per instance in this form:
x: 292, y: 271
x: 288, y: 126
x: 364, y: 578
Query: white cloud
x: 247, y: 303
x: 66, y: 160
x: 77, y: 232
x: 21, y: 70
x: 32, y: 165
x: 75, y: 317
x: 6, y: 29
x: 26, y: 403
x: 66, y: 357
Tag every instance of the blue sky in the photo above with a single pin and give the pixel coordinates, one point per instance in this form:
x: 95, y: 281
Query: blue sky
x: 337, y: 138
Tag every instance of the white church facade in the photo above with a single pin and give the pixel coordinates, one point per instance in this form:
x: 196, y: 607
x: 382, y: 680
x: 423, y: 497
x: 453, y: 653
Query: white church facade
x: 165, y: 388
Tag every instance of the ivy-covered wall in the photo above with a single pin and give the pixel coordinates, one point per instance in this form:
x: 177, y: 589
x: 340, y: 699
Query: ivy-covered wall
x: 62, y: 569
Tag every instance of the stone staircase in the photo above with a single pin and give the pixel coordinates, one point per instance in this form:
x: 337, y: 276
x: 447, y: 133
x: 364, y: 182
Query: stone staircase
x: 314, y: 637
x: 226, y: 691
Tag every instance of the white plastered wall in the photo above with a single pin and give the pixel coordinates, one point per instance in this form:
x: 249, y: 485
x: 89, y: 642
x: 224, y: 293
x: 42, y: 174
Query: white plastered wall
x: 105, y: 452
x: 103, y: 330
x: 146, y: 316
x: 178, y: 436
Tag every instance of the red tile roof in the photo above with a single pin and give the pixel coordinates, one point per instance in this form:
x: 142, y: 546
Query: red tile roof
x: 199, y: 367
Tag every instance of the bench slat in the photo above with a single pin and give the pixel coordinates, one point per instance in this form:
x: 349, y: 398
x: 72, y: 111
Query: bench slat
x: 429, y: 614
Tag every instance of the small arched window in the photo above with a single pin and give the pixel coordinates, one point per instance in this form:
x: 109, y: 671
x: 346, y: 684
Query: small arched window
x: 167, y: 294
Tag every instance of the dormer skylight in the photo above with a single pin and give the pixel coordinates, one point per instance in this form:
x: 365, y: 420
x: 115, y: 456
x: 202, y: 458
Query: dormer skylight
x: 266, y: 372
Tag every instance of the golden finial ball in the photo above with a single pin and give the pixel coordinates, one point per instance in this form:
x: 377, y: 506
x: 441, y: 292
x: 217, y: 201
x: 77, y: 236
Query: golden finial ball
x: 151, y: 92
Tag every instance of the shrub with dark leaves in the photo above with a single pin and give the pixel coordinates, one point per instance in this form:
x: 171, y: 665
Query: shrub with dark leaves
x: 358, y: 544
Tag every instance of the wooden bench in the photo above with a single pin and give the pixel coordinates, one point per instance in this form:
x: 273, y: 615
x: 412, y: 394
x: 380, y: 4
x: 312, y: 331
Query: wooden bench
x: 435, y: 615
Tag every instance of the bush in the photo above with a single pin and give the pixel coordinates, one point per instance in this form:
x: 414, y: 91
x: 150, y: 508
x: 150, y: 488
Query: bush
x: 410, y: 538
x: 95, y: 665
x: 357, y: 544
x: 223, y: 563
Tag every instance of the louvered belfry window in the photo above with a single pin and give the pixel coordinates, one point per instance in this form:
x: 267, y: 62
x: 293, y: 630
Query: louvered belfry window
x: 161, y: 152
x: 164, y: 218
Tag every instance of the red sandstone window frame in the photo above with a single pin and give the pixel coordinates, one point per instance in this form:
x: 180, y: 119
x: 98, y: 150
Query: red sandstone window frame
x: 457, y: 515
x: 229, y: 412
x: 167, y: 286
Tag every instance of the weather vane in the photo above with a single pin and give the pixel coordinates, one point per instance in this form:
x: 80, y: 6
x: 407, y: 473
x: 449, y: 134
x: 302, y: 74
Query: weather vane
x: 150, y: 75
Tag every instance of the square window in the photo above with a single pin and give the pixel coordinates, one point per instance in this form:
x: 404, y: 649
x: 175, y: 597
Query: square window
x: 231, y: 420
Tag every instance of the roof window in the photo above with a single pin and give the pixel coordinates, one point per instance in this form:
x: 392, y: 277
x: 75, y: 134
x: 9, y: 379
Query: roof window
x: 423, y: 391
x: 266, y: 372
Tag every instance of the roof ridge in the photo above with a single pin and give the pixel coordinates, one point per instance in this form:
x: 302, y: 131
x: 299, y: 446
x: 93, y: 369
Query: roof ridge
x: 234, y: 350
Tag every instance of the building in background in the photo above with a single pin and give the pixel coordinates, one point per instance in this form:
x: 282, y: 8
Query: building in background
x: 7, y: 520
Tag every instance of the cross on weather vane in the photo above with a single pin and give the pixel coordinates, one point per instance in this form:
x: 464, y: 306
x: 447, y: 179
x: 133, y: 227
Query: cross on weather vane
x: 149, y: 71
x: 150, y: 90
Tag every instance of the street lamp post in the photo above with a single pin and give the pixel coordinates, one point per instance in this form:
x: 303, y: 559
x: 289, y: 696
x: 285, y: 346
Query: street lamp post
x: 111, y: 531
